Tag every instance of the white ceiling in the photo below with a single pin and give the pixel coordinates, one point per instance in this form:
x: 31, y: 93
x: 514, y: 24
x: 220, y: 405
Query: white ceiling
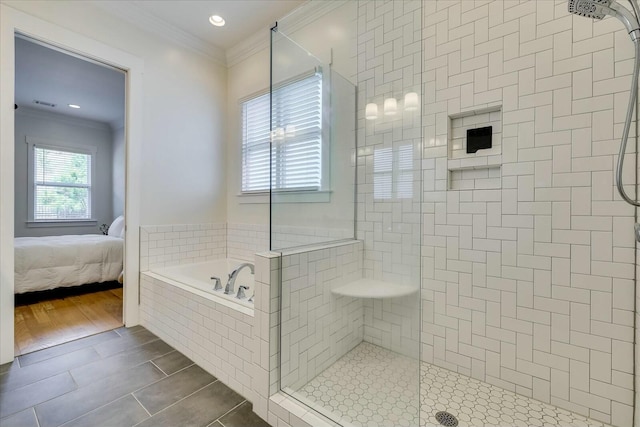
x: 52, y: 76
x: 49, y: 75
x: 243, y: 17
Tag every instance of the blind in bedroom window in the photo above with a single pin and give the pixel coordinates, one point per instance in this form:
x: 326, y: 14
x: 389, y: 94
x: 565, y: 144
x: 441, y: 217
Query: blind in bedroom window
x: 62, y: 184
x: 296, y: 138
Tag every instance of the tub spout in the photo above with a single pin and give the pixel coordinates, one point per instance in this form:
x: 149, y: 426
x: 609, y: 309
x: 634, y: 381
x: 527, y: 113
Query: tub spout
x: 233, y: 276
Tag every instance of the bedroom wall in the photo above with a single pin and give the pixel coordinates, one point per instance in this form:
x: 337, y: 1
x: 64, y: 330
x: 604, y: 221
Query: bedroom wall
x: 60, y: 129
x: 118, y: 171
x: 183, y: 168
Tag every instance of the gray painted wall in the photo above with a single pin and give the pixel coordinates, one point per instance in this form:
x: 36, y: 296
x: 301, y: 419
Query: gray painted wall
x: 118, y: 178
x: 60, y: 129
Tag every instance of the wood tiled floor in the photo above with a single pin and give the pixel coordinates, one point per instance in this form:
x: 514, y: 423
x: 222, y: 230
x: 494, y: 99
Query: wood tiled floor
x: 62, y: 315
x: 123, y: 377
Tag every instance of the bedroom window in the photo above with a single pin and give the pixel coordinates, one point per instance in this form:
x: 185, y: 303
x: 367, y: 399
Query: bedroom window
x: 61, y: 183
x: 297, y: 138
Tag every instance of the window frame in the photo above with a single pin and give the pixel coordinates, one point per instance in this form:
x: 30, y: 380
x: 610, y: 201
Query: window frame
x: 32, y: 143
x: 293, y: 195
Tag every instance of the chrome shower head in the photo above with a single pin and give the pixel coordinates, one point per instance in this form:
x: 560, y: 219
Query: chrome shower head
x: 596, y: 9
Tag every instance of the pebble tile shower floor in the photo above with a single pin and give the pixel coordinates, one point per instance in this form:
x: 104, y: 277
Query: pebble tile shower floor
x: 372, y: 386
x: 118, y: 378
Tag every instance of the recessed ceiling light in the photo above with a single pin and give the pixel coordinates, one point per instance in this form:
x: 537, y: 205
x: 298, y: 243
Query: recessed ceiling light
x: 74, y: 106
x: 216, y: 20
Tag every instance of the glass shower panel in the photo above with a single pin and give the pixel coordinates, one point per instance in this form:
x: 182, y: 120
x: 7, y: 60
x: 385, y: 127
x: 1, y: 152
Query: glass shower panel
x: 350, y: 309
x: 312, y: 149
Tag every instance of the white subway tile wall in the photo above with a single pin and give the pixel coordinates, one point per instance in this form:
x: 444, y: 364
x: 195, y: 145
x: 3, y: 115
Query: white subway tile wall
x: 529, y: 287
x: 244, y: 241
x: 318, y: 327
x: 166, y: 245
x: 216, y: 337
x: 389, y: 163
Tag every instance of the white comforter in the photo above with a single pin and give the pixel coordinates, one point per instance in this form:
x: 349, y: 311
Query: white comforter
x: 60, y: 261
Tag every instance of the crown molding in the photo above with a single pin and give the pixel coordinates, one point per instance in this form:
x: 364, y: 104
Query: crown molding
x: 130, y: 12
x: 305, y: 14
x: 63, y: 118
x: 248, y: 47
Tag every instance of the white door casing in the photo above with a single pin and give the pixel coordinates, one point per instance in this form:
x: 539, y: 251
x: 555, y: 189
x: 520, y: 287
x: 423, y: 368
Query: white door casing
x: 12, y: 22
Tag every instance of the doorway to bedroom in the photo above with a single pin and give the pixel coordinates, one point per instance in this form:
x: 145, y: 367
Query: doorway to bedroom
x: 69, y: 196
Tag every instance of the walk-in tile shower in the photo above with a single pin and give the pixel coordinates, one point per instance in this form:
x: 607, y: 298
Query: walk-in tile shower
x: 466, y: 258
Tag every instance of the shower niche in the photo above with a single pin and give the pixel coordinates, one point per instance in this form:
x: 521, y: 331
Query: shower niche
x: 470, y: 163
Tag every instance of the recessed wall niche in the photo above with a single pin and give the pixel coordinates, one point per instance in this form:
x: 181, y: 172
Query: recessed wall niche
x: 481, y: 169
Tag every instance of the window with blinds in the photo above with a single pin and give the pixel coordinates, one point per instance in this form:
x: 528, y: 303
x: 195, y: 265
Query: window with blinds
x: 62, y: 184
x: 295, y: 155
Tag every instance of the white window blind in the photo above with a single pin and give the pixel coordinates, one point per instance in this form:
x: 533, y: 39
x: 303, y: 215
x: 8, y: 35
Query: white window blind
x: 393, y: 172
x: 296, y: 154
x: 62, y: 184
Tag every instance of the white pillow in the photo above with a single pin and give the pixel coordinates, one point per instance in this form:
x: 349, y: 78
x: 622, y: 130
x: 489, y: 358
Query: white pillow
x: 116, y: 229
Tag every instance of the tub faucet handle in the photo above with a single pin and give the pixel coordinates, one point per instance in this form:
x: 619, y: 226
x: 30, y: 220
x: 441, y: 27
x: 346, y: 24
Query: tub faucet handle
x: 241, y: 290
x: 218, y: 283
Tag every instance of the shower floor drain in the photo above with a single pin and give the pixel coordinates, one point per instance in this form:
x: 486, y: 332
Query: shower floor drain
x: 446, y: 419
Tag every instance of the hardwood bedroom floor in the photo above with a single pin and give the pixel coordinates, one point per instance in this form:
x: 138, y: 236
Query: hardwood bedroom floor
x: 43, y: 324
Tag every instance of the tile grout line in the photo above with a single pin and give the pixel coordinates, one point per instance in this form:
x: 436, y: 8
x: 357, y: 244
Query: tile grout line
x: 33, y: 409
x: 78, y: 387
x: 67, y: 352
x: 94, y: 410
x: 178, y: 401
x: 160, y: 369
x: 229, y: 411
x: 140, y: 403
x: 100, y: 358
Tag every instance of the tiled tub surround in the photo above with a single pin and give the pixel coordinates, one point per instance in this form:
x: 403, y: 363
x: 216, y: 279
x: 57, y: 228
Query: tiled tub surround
x: 244, y: 241
x: 530, y: 286
x: 214, y: 335
x: 166, y: 245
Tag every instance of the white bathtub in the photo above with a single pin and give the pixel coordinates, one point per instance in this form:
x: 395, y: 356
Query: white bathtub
x: 197, y: 278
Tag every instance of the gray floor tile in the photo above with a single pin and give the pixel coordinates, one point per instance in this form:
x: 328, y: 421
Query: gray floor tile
x: 198, y: 410
x: 72, y: 405
x: 122, y: 331
x: 126, y: 342
x: 16, y: 400
x: 103, y: 368
x: 48, y: 353
x: 243, y: 416
x: 121, y: 413
x: 9, y: 366
x: 172, y: 362
x: 26, y: 418
x: 16, y: 378
x: 169, y: 390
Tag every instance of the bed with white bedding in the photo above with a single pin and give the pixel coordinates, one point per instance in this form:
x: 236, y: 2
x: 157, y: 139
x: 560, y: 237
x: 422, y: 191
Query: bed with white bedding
x: 51, y: 262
